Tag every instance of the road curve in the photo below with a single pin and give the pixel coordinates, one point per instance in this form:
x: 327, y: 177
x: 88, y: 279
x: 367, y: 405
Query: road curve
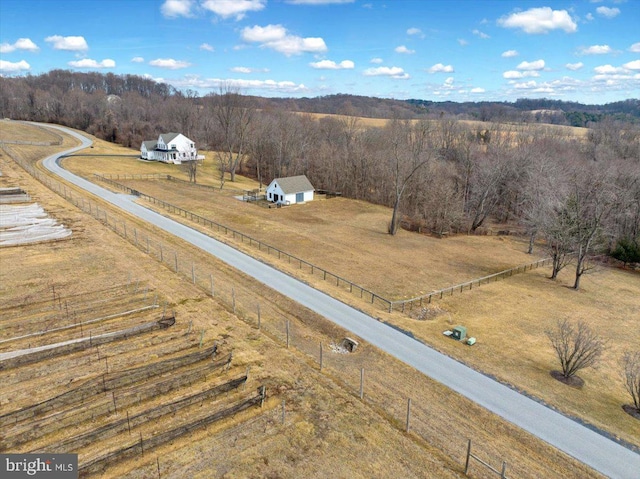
x: 578, y: 441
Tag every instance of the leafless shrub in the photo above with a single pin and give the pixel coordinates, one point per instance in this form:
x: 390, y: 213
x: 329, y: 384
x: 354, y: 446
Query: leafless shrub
x: 577, y: 346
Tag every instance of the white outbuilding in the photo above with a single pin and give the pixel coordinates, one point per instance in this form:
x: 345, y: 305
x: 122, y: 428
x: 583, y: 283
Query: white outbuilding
x: 290, y: 190
x: 170, y: 148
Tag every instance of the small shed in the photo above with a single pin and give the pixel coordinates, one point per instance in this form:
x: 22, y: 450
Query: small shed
x: 290, y: 190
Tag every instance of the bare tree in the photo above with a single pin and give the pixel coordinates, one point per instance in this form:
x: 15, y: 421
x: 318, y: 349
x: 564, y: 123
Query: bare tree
x: 233, y: 117
x: 577, y: 346
x: 631, y: 376
x: 409, y: 153
x: 191, y: 169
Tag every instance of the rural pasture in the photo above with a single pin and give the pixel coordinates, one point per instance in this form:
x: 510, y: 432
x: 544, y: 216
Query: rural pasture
x: 327, y: 427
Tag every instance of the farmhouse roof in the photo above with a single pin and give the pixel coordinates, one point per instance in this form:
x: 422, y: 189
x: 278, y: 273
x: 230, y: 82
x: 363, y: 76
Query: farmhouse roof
x: 294, y: 184
x: 150, y: 144
x: 168, y: 137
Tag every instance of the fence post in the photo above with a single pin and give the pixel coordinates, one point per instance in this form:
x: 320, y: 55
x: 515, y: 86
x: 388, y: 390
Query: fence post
x: 287, y: 334
x: 504, y: 470
x: 175, y: 257
x: 258, y: 307
x: 408, y: 414
x: 211, y: 278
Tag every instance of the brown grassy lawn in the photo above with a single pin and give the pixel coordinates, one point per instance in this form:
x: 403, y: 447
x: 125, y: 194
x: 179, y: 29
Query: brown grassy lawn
x: 509, y: 318
x: 328, y: 430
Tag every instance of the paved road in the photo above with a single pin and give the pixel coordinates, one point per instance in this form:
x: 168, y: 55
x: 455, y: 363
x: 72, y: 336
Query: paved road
x: 589, y: 447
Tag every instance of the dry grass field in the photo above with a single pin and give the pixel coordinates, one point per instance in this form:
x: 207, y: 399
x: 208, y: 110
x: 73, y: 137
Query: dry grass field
x: 328, y: 430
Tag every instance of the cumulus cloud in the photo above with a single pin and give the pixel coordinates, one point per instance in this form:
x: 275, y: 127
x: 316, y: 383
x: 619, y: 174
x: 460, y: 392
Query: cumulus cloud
x: 233, y: 8
x: 509, y: 54
x: 539, y: 20
x: 67, y: 43
x: 635, y: 48
x: 89, y: 63
x: 480, y: 34
x: 596, y: 50
x: 574, y: 66
x: 13, y: 67
x: 609, y: 70
x: 608, y: 12
x: 331, y: 65
x: 207, y: 47
x: 176, y: 8
x: 376, y: 61
x: 169, y: 63
x: 137, y: 60
x: 393, y: 72
x: 535, y: 65
x: 634, y: 65
x: 440, y: 68
x: 477, y: 90
x: 277, y: 38
x: 21, y: 44
x: 404, y: 49
x: 415, y: 32
x: 516, y: 75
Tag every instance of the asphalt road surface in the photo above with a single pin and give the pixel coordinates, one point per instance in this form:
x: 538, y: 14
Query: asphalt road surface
x: 584, y: 444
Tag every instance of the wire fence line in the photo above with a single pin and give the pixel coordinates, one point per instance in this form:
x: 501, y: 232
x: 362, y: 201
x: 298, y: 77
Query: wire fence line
x: 354, y: 288
x: 407, y: 406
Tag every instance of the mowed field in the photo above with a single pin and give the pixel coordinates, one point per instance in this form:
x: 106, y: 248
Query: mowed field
x: 508, y: 318
x: 328, y: 429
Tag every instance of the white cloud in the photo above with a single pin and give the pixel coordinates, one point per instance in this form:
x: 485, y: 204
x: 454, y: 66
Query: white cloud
x: 635, y: 48
x: 88, y: 63
x: 67, y: 43
x: 440, y: 68
x: 609, y: 70
x: 596, y: 50
x: 249, y: 70
x: 169, y: 63
x: 233, y: 8
x: 404, y: 49
x: 20, y: 44
x: 462, y: 42
x: 277, y: 38
x: 480, y: 34
x: 608, y: 12
x: 516, y: 75
x: 536, y: 65
x: 634, y: 65
x: 12, y: 67
x: 194, y: 81
x: 477, y: 90
x: 376, y: 61
x: 393, y: 72
x: 137, y: 60
x: 509, y: 54
x: 574, y: 66
x: 540, y: 20
x: 207, y: 47
x: 176, y: 8
x: 331, y: 65
x: 415, y: 32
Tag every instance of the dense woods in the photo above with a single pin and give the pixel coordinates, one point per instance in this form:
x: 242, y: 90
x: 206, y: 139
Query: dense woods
x: 439, y: 173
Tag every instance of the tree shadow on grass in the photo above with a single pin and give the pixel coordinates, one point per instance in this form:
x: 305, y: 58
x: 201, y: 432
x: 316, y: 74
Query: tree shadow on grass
x: 631, y: 411
x: 573, y: 381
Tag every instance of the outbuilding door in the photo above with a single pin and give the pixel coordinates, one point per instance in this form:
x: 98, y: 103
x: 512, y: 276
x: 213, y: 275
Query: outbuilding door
x: 299, y: 197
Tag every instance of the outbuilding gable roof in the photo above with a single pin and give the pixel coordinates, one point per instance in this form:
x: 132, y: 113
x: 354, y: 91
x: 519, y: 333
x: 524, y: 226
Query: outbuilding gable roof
x: 150, y: 144
x: 294, y: 184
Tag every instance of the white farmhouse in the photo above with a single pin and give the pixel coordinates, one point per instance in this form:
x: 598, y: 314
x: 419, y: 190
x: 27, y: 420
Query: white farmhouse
x: 170, y: 148
x: 291, y: 190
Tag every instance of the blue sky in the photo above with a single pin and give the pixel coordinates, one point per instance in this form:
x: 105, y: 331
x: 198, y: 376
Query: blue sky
x: 457, y: 50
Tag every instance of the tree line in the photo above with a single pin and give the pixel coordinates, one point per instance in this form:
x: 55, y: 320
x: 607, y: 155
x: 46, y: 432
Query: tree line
x: 578, y: 194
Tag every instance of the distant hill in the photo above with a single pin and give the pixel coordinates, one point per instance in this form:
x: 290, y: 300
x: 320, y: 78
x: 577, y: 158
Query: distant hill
x: 530, y: 110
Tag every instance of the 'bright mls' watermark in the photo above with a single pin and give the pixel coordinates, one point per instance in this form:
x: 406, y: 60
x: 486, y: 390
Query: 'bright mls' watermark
x: 49, y: 466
